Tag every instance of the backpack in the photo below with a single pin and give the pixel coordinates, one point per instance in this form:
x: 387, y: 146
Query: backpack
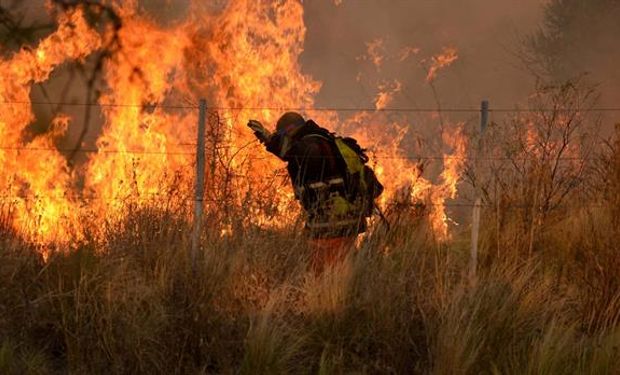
x: 361, y: 186
x: 361, y: 181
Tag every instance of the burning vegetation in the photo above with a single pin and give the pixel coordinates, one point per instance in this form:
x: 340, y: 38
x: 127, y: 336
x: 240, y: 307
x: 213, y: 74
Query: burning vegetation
x: 96, y: 203
x: 151, y: 80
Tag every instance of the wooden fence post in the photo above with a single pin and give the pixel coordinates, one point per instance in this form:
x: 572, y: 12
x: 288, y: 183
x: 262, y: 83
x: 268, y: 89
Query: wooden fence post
x: 475, y: 226
x: 200, y: 181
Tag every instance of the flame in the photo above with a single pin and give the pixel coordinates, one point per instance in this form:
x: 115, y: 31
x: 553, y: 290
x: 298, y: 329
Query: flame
x: 244, y: 59
x: 375, y: 52
x: 247, y: 66
x: 453, y: 167
x: 36, y: 183
x: 136, y: 151
x: 386, y: 94
x: 407, y: 52
x: 400, y: 172
x: 59, y: 126
x: 441, y: 61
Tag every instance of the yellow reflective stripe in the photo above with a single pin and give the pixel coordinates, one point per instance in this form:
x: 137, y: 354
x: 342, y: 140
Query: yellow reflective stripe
x: 321, y: 184
x: 335, y: 181
x: 317, y: 185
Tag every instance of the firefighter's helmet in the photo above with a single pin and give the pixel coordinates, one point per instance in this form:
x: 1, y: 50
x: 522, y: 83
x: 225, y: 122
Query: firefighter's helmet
x: 286, y: 128
x: 289, y: 123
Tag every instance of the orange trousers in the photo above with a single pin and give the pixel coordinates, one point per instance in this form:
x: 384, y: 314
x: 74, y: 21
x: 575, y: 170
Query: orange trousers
x: 327, y: 252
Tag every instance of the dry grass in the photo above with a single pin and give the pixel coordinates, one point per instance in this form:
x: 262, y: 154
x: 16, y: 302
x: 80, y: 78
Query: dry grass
x: 133, y: 305
x: 546, y: 300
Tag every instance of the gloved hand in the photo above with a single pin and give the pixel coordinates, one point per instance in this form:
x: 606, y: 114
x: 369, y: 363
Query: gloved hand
x: 260, y: 132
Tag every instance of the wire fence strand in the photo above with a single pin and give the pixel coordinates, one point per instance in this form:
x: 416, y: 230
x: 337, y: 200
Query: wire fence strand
x: 375, y: 157
x: 162, y: 198
x: 315, y: 109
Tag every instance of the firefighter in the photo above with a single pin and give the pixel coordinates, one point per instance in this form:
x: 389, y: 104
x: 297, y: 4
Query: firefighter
x: 328, y: 179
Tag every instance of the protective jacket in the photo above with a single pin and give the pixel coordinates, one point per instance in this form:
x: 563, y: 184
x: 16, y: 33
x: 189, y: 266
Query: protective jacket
x: 318, y: 175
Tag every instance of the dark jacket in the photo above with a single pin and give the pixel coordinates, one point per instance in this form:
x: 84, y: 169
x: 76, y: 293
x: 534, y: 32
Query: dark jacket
x: 318, y: 175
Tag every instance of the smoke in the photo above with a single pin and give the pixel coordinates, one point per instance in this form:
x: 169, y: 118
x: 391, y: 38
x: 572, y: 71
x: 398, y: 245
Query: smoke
x: 366, y: 55
x: 404, y: 36
x: 486, y: 35
x: 580, y: 38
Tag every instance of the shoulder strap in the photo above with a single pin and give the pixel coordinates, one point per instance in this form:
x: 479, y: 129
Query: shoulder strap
x: 316, y: 135
x: 353, y: 145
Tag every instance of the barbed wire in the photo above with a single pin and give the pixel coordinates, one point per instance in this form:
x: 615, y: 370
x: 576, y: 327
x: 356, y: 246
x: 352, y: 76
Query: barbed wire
x: 413, y: 110
x: 190, y: 199
x: 159, y: 198
x: 360, y: 109
x: 316, y: 109
x: 374, y: 158
x: 103, y: 151
x: 120, y: 105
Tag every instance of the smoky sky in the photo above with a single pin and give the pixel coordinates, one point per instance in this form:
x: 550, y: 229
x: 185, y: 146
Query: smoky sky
x: 486, y: 34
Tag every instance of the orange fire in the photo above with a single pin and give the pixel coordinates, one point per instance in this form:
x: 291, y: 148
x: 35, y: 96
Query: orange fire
x: 453, y: 167
x: 374, y: 52
x: 36, y: 177
x: 441, y: 61
x: 137, y: 152
x: 386, y: 94
x: 244, y: 59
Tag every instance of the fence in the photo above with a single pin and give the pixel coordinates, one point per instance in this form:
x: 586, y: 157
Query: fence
x: 199, y: 154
